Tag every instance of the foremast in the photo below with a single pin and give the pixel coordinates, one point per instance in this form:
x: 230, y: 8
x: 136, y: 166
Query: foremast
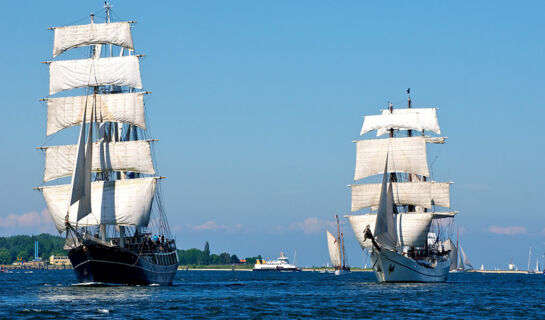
x: 119, y: 163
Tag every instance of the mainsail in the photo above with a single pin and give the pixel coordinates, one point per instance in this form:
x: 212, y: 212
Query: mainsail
x: 121, y: 202
x: 411, y: 228
x: 334, y: 250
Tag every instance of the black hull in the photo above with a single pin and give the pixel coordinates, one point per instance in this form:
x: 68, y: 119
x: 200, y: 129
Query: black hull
x: 95, y: 262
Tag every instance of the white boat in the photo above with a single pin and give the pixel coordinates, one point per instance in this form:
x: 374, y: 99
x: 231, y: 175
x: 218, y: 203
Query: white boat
x: 402, y: 207
x: 511, y: 266
x: 336, y: 251
x: 280, y: 264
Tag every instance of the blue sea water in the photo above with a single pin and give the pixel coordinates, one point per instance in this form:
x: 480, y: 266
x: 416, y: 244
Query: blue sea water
x: 239, y: 294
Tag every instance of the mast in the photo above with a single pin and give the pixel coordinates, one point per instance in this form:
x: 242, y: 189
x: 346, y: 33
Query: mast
x: 529, y: 257
x: 393, y: 176
x: 344, y: 256
x: 340, y: 241
x: 410, y: 208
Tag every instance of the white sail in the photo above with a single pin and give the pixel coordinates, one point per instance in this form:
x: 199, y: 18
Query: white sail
x: 71, y: 74
x: 117, y: 33
x: 424, y: 194
x: 385, y: 230
x: 121, y: 202
x: 81, y: 176
x: 412, y: 228
x: 121, y: 107
x: 405, y: 155
x: 133, y: 156
x: 465, y: 259
x: 334, y: 250
x: 402, y: 119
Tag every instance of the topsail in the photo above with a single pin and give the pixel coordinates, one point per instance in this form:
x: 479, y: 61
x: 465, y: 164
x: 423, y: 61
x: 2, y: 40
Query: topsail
x: 117, y: 33
x: 66, y: 112
x: 71, y: 74
x: 402, y: 119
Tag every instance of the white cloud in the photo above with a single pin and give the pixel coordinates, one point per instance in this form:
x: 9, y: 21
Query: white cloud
x: 29, y: 222
x: 310, y: 225
x: 213, y: 226
x: 509, y: 231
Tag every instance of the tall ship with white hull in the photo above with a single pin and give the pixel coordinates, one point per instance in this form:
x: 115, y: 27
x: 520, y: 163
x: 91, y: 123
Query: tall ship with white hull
x: 404, y: 209
x: 111, y: 211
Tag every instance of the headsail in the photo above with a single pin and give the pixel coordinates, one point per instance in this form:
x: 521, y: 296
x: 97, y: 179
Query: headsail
x: 334, y: 250
x: 81, y: 176
x: 385, y: 226
x: 116, y: 33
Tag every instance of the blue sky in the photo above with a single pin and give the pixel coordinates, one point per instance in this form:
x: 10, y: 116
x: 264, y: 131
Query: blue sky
x: 256, y: 104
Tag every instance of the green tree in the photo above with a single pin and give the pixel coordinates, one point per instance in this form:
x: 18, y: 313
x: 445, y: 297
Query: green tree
x: 206, y: 253
x: 225, y: 258
x: 5, y: 256
x: 23, y: 255
x: 234, y: 259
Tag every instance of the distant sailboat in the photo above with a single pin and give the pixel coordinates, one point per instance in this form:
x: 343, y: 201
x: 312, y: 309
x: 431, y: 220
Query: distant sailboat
x: 536, y: 270
x: 529, y: 259
x: 336, y: 251
x: 465, y: 260
x: 482, y: 267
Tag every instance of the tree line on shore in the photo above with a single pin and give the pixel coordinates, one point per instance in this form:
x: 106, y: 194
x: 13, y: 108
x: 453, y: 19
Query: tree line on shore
x: 21, y: 248
x: 204, y: 257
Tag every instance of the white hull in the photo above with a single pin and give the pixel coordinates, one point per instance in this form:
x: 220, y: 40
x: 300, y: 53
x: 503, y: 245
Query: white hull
x: 340, y: 272
x: 390, y: 266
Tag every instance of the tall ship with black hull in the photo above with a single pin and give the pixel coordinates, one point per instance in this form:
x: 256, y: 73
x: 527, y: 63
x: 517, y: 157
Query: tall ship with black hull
x: 405, y: 227
x: 111, y: 210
